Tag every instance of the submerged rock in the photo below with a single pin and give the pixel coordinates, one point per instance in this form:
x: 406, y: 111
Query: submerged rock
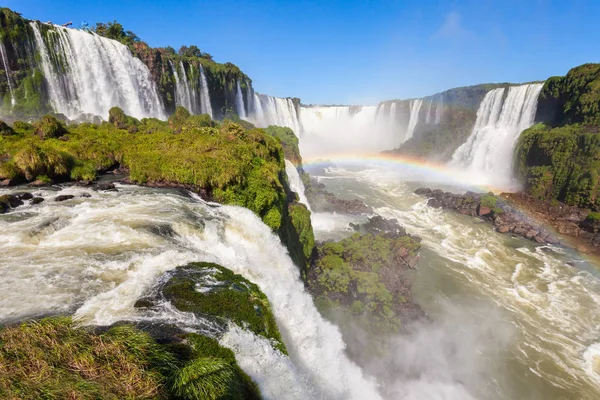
x: 63, y: 197
x: 37, y: 200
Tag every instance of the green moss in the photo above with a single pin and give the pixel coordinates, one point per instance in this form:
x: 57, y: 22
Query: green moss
x: 229, y: 298
x: 593, y: 216
x: 54, y: 359
x: 48, y: 127
x: 300, y: 216
x: 490, y: 201
x: 560, y: 163
x: 353, y: 274
x: 288, y: 140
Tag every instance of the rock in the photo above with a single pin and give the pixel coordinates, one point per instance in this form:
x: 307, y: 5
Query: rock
x: 39, y: 183
x: 10, y: 200
x: 378, y: 225
x: 105, y: 186
x: 568, y: 228
x: 37, y: 200
x: 530, y: 234
x: 423, y: 191
x: 482, y: 210
x: 504, y: 228
x: 85, y: 195
x: 8, y: 182
x: 24, y: 196
x: 435, y: 203
x: 63, y: 197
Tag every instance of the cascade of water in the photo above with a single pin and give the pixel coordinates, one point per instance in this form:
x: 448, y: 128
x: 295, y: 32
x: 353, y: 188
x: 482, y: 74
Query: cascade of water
x: 239, y: 102
x: 182, y: 92
x: 415, y: 107
x: 392, y: 118
x: 190, y: 93
x: 269, y: 110
x: 296, y: 183
x: 104, y: 272
x: 500, y: 120
x: 7, y: 71
x: 439, y: 110
x: 205, y: 106
x: 428, y: 114
x: 91, y: 74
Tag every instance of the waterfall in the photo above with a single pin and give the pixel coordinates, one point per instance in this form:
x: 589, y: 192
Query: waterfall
x: 439, y: 110
x: 7, y: 71
x: 428, y: 114
x: 239, y: 102
x: 182, y: 88
x: 269, y: 110
x: 101, y: 274
x: 501, y: 117
x: 392, y: 118
x: 296, y: 183
x: 205, y: 106
x: 90, y: 74
x: 189, y: 90
x: 415, y: 107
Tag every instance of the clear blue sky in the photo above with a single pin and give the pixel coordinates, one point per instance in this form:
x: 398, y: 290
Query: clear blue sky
x: 359, y: 52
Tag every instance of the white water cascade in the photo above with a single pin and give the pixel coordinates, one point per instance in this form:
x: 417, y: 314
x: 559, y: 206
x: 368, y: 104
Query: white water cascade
x: 296, y: 182
x: 415, y: 108
x: 205, y: 106
x: 269, y: 110
x: 182, y: 88
x: 91, y: 74
x: 501, y: 117
x: 239, y: 102
x: 96, y: 256
x: 7, y: 71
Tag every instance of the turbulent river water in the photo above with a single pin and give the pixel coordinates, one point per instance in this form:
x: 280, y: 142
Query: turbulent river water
x: 510, y: 320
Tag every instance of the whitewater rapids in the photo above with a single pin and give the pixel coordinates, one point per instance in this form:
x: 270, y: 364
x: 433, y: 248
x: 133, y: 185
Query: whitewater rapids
x: 96, y: 256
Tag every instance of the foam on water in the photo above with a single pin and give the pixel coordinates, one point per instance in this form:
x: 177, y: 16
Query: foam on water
x: 103, y: 252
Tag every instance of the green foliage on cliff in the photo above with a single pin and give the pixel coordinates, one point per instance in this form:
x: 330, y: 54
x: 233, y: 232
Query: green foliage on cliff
x: 236, y: 166
x: 572, y: 99
x: 114, y: 30
x: 561, y: 163
x: 226, y: 297
x: 55, y: 359
x: 289, y: 141
x: 300, y: 216
x: 362, y: 274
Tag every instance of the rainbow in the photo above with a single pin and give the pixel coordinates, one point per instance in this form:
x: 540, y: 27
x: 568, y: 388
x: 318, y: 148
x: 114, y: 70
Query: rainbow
x: 441, y: 173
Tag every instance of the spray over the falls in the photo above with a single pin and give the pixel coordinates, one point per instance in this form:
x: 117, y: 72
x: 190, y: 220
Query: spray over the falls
x: 98, y: 255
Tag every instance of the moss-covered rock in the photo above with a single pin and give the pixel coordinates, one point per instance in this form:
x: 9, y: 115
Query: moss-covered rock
x: 365, y: 275
x: 212, y: 291
x: 49, y: 127
x: 561, y: 163
x: 55, y: 359
x: 289, y: 141
x: 300, y: 218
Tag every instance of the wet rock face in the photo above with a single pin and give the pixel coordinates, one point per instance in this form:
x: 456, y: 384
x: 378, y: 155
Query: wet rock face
x: 491, y: 208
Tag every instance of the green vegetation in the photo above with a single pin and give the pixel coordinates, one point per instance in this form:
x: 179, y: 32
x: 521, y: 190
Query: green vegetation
x: 114, y: 30
x: 559, y: 159
x: 489, y: 201
x: 230, y: 298
x: 289, y: 141
x: 236, y: 166
x: 560, y: 163
x: 362, y: 274
x: 300, y: 216
x: 55, y: 359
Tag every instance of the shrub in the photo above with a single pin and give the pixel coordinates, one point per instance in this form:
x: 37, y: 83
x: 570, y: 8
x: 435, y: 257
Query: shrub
x: 49, y: 127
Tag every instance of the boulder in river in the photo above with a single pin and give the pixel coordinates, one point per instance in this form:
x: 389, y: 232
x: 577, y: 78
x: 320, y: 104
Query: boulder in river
x: 63, y: 197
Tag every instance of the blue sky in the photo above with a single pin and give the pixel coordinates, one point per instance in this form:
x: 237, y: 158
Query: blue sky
x: 359, y: 52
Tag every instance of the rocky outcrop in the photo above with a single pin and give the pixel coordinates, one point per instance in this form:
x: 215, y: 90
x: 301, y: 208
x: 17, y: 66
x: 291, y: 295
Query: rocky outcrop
x: 365, y: 276
x: 490, y: 208
x: 323, y: 201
